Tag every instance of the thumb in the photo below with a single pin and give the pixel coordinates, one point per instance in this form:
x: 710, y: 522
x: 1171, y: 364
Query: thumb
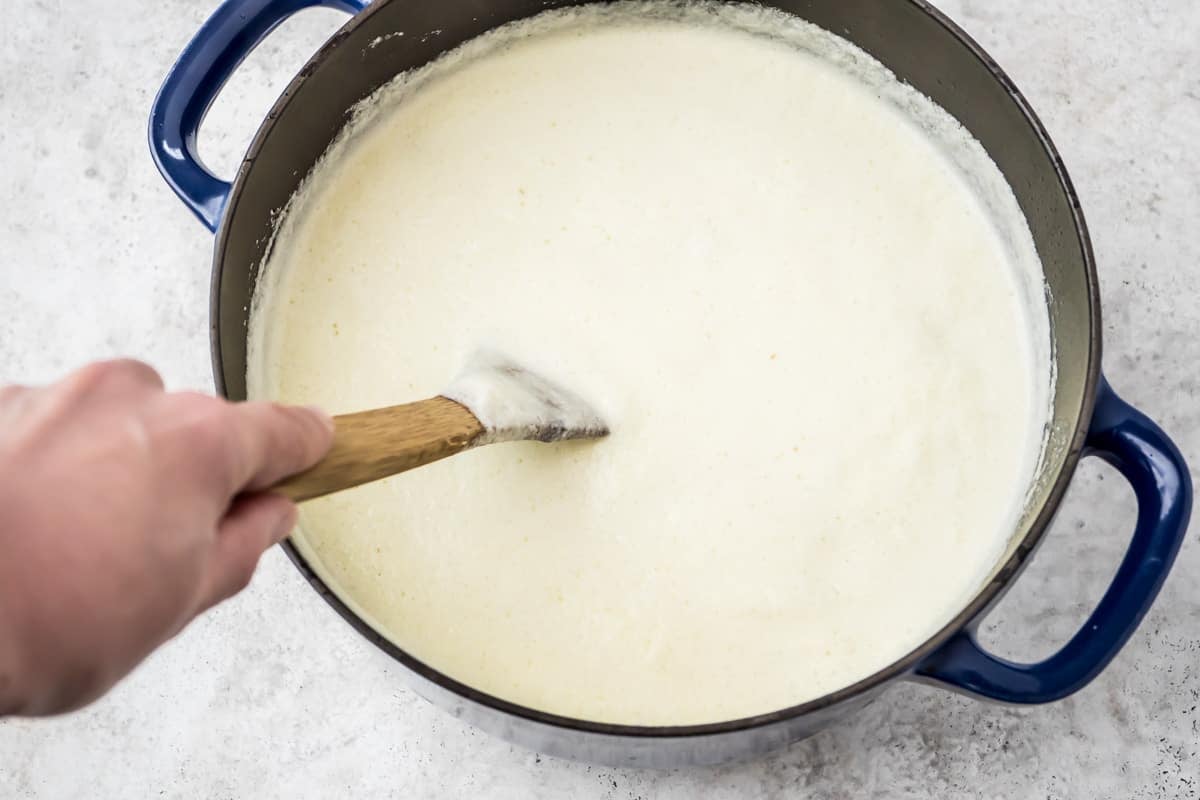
x: 253, y: 524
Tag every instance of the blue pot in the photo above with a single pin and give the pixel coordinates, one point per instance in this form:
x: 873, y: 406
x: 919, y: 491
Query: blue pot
x: 923, y: 48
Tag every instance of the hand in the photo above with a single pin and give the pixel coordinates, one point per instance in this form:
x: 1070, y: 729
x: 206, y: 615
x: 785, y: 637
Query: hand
x: 125, y: 511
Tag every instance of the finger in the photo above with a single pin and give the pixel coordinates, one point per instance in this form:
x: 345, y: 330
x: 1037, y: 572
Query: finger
x: 253, y: 524
x: 275, y: 441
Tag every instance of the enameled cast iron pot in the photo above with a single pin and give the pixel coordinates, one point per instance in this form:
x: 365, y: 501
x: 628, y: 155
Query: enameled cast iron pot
x: 923, y: 48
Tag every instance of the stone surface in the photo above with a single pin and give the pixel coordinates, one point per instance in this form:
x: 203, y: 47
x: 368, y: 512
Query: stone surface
x: 274, y: 696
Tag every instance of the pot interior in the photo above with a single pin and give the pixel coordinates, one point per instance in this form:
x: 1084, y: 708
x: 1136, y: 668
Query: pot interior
x: 914, y: 42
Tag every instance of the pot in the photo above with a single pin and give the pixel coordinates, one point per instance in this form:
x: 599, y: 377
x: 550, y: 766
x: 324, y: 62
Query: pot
x: 923, y: 48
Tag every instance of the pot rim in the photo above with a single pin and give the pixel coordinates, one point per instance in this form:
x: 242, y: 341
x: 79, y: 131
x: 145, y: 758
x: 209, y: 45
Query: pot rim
x: 902, y: 668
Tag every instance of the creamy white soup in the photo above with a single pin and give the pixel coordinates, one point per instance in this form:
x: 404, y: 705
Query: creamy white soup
x: 801, y: 295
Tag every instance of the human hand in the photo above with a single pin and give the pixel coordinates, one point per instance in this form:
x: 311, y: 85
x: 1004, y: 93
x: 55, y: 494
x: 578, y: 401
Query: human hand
x: 125, y: 511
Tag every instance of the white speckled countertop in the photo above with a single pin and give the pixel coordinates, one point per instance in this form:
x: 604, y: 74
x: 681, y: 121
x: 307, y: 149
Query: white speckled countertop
x: 274, y: 696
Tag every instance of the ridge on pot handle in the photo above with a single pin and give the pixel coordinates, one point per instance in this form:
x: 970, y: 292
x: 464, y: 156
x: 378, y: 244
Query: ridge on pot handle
x: 225, y: 40
x: 1140, y: 450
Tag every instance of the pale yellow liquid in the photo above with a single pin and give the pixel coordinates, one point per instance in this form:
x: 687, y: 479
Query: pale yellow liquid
x: 802, y: 322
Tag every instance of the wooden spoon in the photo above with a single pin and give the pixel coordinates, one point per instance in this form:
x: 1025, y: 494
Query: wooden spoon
x: 493, y: 400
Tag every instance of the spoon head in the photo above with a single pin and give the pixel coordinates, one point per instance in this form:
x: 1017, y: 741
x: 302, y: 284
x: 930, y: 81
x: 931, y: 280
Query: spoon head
x: 516, y: 404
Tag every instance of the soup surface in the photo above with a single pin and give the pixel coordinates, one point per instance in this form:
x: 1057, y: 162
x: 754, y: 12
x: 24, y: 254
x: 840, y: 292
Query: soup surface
x: 801, y: 295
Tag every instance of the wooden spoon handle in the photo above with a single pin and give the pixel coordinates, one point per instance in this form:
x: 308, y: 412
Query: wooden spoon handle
x: 375, y: 444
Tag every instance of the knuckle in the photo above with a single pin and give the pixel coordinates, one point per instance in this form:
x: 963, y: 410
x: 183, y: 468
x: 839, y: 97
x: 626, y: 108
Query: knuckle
x: 281, y: 444
x: 117, y: 373
x: 229, y: 452
x: 311, y: 436
x: 210, y: 434
x: 11, y: 393
x: 91, y: 376
x: 291, y: 440
x: 198, y: 409
x: 79, y: 685
x: 139, y: 372
x: 214, y: 442
x: 242, y: 573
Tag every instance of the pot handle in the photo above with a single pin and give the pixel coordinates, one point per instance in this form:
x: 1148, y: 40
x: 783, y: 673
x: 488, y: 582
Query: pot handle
x: 230, y: 34
x: 1146, y: 457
